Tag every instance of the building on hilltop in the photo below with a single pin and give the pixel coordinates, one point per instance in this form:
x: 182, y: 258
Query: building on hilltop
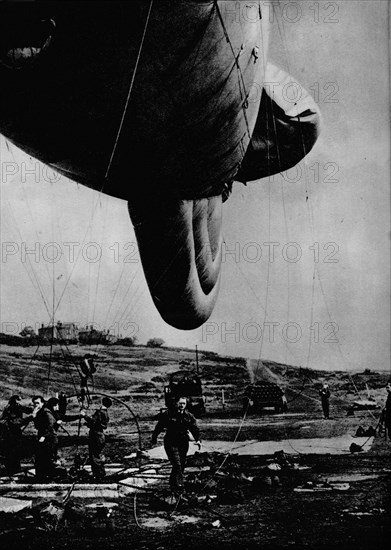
x: 61, y: 331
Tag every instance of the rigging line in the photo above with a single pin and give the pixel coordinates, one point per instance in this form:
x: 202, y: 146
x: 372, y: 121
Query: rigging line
x: 311, y: 318
x: 338, y: 342
x: 63, y: 343
x: 13, y: 232
x: 133, y: 414
x: 89, y: 228
x: 135, y: 511
x: 90, y: 268
x: 243, y: 94
x: 132, y: 306
x: 53, y: 301
x: 89, y: 283
x: 50, y: 361
x: 268, y: 263
x: 53, y: 263
x: 279, y: 17
x: 129, y: 93
x: 35, y: 227
x: 121, y: 304
x: 34, y: 354
x: 287, y: 263
x: 118, y: 134
x: 129, y: 310
x: 269, y: 212
x: 124, y: 298
x: 112, y: 300
x: 231, y: 448
x: 282, y: 32
x: 282, y: 179
x: 37, y: 283
x: 53, y: 304
x: 100, y: 259
x: 198, y: 51
x: 247, y: 281
x: 64, y: 260
x: 306, y: 180
x: 68, y: 367
x: 307, y: 183
x: 285, y: 216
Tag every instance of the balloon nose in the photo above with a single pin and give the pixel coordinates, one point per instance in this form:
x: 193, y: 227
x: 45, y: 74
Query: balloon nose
x: 180, y: 248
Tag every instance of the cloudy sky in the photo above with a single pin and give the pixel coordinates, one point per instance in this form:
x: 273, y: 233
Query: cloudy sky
x: 317, y: 297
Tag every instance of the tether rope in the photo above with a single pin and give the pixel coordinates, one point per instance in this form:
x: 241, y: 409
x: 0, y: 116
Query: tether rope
x: 129, y: 93
x: 282, y: 32
x: 114, y: 148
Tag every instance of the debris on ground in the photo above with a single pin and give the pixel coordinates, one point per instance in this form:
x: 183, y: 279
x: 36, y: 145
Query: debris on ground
x: 13, y: 505
x: 370, y: 513
x: 311, y: 487
x: 365, y: 432
x: 354, y: 448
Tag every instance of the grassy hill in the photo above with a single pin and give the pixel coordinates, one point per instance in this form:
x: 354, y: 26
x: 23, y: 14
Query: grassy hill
x: 135, y: 377
x: 138, y: 374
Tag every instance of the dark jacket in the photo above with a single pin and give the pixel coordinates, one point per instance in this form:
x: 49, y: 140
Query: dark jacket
x: 98, y: 421
x: 387, y: 412
x: 176, y: 425
x: 45, y: 423
x: 12, y: 419
x: 64, y: 418
x: 324, y: 394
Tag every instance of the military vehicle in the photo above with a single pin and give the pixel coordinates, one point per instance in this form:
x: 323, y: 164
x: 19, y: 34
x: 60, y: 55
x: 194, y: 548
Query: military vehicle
x: 263, y: 395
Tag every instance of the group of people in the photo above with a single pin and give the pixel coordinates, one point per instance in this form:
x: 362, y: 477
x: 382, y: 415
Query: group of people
x: 48, y: 419
x: 385, y: 418
x: 177, y: 422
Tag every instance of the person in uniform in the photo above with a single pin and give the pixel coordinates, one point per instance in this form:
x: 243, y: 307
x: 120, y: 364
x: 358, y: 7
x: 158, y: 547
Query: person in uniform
x: 177, y: 422
x: 386, y: 414
x: 12, y: 421
x: 324, y: 393
x: 47, y: 440
x: 53, y: 404
x: 97, y: 423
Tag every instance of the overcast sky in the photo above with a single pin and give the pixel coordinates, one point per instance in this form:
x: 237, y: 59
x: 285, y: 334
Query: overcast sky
x: 338, y: 238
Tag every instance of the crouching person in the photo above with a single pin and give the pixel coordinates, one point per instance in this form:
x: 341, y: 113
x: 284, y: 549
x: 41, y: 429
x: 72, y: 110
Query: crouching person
x: 177, y: 423
x: 97, y: 424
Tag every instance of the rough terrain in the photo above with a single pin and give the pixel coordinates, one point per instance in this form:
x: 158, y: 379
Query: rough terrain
x: 226, y: 508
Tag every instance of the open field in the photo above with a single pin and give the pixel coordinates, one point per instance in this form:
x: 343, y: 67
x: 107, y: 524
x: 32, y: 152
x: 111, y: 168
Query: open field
x: 264, y: 517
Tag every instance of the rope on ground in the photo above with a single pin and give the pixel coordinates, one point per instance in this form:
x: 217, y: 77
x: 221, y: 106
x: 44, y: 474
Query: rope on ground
x: 135, y: 510
x: 232, y: 446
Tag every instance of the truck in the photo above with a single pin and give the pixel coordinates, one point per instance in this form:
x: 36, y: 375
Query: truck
x: 264, y: 394
x: 185, y: 384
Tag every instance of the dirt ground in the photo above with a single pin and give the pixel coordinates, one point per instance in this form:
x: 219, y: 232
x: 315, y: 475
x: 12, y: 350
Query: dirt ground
x: 230, y: 502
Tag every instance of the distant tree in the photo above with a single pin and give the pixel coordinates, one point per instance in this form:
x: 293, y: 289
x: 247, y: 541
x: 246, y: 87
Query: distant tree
x: 155, y: 342
x: 28, y: 332
x: 129, y: 341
